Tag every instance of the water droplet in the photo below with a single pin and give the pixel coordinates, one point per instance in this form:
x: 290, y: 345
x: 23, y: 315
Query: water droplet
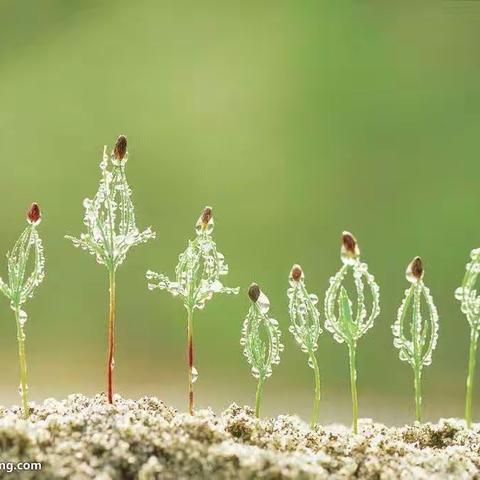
x: 20, y: 389
x: 194, y: 374
x: 22, y: 318
x: 263, y: 303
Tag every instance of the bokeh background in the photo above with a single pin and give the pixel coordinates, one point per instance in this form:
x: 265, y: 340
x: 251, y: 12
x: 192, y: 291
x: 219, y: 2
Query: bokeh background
x: 295, y: 121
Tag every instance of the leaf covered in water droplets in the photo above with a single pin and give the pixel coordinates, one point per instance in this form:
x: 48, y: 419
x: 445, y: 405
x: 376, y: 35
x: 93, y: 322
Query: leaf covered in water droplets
x: 416, y: 340
x: 110, y: 215
x: 467, y: 294
x: 199, y: 269
x: 345, y: 323
x: 261, y: 339
x: 303, y: 311
x: 25, y: 273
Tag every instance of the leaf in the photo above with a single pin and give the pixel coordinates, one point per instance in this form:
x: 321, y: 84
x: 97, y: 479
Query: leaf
x: 346, y: 315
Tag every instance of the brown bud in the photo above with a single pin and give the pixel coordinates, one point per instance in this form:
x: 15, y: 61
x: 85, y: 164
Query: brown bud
x: 33, y: 215
x: 120, y: 149
x: 206, y: 216
x: 349, y: 243
x: 296, y: 273
x: 254, y: 292
x: 415, y: 270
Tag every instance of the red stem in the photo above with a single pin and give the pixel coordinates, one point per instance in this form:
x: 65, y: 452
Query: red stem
x: 190, y: 362
x: 111, y: 340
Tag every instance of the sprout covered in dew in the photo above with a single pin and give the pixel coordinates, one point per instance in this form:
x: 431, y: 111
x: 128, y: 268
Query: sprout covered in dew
x: 305, y: 326
x: 111, y: 231
x: 21, y: 285
x: 110, y: 215
x: 417, y: 340
x: 469, y: 299
x: 197, y: 278
x: 260, y: 340
x: 346, y: 322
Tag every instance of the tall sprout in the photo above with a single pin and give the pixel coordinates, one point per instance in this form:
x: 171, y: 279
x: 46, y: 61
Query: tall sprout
x: 25, y: 274
x: 305, y: 326
x: 111, y: 232
x: 346, y: 322
x: 260, y: 340
x: 470, y: 306
x: 416, y: 347
x: 197, y: 278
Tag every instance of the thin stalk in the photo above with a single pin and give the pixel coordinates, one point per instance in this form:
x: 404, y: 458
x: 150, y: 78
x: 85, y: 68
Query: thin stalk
x: 316, y: 401
x: 418, y: 393
x: 23, y: 363
x: 470, y: 377
x: 111, y: 337
x: 190, y: 360
x: 258, y: 397
x: 353, y: 386
x: 417, y: 364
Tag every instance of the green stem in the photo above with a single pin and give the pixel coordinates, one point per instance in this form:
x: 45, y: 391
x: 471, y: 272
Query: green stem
x: 417, y: 355
x: 23, y: 362
x: 316, y: 401
x: 470, y: 377
x: 258, y: 397
x: 111, y: 337
x: 190, y: 360
x: 418, y: 393
x: 353, y: 386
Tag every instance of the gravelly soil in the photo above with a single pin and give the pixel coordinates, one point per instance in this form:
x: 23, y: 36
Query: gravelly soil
x: 84, y: 438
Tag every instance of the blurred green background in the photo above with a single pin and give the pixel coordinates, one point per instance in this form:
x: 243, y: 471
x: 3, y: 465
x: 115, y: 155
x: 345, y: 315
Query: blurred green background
x: 295, y: 121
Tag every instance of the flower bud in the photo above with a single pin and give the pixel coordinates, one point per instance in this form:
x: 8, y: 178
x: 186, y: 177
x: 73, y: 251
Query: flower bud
x: 254, y: 292
x: 296, y: 273
x: 120, y: 149
x: 206, y: 216
x: 33, y: 215
x: 414, y: 271
x: 349, y: 251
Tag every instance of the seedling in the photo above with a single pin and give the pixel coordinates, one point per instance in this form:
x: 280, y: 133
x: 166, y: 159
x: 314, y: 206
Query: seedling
x: 197, y: 279
x: 417, y: 350
x: 111, y: 231
x: 305, y: 326
x: 470, y: 305
x: 260, y: 340
x: 22, y: 285
x: 346, y: 324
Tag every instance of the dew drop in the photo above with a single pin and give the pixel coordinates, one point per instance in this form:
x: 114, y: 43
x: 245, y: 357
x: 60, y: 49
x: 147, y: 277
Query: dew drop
x: 20, y: 390
x: 263, y: 303
x: 194, y: 374
x: 22, y: 318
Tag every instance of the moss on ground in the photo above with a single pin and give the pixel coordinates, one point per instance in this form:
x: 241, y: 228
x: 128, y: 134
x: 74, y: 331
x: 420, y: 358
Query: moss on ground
x: 85, y: 438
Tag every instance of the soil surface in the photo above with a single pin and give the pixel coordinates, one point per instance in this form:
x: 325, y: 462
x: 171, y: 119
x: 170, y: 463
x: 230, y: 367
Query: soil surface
x: 85, y: 438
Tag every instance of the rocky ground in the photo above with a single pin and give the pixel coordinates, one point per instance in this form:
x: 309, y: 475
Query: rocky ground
x: 84, y: 438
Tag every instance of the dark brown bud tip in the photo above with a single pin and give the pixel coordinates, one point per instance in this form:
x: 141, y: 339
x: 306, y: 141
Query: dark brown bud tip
x: 254, y: 292
x: 349, y: 243
x: 206, y: 216
x: 415, y: 269
x: 33, y: 215
x: 120, y: 149
x: 296, y: 273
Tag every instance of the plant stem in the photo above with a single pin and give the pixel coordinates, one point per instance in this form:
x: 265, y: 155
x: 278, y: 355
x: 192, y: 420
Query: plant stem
x: 418, y: 393
x: 111, y: 337
x: 23, y: 362
x: 190, y: 360
x: 417, y: 356
x: 353, y: 386
x: 470, y: 377
x: 316, y: 401
x: 258, y: 397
